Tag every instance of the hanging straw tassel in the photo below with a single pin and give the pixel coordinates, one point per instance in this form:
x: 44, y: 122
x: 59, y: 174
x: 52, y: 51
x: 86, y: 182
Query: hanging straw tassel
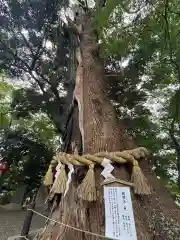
x: 48, y: 179
x: 59, y: 184
x: 87, y: 189
x: 140, y: 182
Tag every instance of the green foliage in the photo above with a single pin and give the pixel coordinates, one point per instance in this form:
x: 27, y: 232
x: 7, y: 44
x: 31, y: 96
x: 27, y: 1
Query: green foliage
x: 5, y: 95
x: 27, y: 28
x: 149, y: 44
x: 26, y: 143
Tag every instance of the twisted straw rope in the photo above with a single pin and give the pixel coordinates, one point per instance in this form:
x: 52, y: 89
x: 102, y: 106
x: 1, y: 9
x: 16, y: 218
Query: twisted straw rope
x: 87, y: 189
x: 131, y: 156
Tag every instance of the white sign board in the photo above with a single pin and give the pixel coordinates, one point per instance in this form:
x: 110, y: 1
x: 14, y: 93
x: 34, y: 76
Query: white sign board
x: 119, y: 218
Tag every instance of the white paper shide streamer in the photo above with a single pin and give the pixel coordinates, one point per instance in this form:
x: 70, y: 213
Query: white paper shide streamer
x: 71, y: 170
x: 58, y: 168
x: 108, y: 168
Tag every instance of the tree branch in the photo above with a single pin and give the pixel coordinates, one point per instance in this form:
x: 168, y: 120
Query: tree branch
x: 173, y: 137
x: 26, y: 42
x: 28, y: 69
x: 35, y: 56
x: 76, y: 29
x: 86, y: 2
x: 84, y: 5
x: 176, y: 69
x: 100, y: 3
x: 39, y: 52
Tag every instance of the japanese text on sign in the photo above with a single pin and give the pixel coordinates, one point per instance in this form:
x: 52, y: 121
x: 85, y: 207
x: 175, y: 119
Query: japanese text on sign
x: 119, y: 219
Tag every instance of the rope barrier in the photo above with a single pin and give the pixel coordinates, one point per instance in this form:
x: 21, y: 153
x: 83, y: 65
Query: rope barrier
x: 71, y: 227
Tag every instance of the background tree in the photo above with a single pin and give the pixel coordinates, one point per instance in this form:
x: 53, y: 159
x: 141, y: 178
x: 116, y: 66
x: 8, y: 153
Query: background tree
x: 26, y: 144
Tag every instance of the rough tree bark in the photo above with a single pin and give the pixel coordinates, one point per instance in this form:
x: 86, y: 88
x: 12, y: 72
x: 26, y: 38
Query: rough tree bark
x: 156, y: 217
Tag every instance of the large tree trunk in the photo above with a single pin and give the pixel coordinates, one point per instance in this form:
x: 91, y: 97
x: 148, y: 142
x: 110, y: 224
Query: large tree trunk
x: 156, y: 217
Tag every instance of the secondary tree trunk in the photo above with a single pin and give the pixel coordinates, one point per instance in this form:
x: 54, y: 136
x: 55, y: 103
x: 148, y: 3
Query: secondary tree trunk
x: 156, y: 217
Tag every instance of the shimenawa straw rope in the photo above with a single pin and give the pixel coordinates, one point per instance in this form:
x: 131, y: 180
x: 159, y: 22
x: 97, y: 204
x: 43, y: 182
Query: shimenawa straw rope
x: 87, y: 189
